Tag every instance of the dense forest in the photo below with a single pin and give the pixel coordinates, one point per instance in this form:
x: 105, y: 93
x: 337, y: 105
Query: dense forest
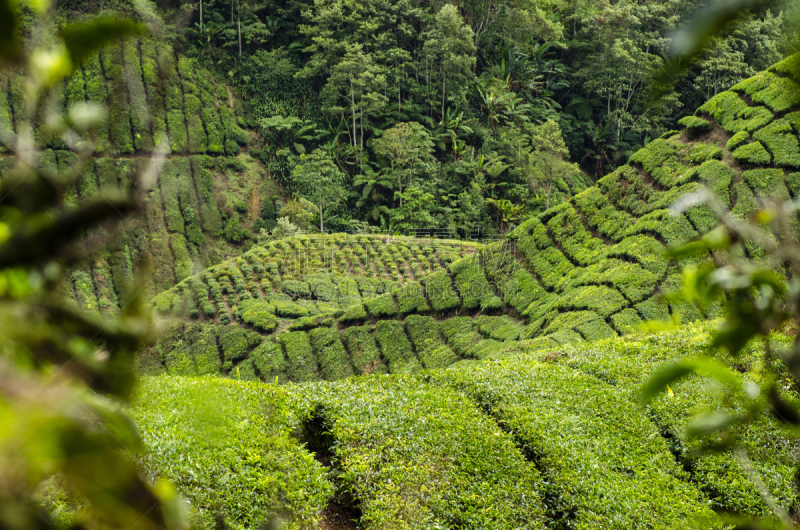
x: 467, y: 116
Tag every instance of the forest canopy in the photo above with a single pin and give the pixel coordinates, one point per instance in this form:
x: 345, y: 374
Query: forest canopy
x: 486, y: 81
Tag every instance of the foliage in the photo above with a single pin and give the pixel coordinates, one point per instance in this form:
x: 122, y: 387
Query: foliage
x: 66, y: 373
x: 215, y: 435
x: 318, y: 180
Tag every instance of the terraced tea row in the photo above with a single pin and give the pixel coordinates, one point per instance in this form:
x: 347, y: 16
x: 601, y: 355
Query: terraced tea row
x: 156, y: 100
x: 337, y: 271
x: 210, y: 194
x: 534, y: 440
x: 309, y: 350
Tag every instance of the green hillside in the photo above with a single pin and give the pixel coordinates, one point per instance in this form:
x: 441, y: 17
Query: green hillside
x: 500, y: 389
x: 210, y: 193
x: 536, y: 440
x: 593, y: 267
x: 523, y: 309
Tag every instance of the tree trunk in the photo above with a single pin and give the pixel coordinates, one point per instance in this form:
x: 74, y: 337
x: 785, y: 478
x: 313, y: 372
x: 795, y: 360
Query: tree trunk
x: 444, y: 86
x: 321, y: 228
x: 353, y: 109
x: 549, y: 189
x: 201, y: 16
x: 361, y: 140
x: 239, y: 24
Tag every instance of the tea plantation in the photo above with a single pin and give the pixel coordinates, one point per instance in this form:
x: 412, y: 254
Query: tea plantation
x: 533, y: 440
x: 591, y: 268
x: 210, y: 191
x: 498, y: 381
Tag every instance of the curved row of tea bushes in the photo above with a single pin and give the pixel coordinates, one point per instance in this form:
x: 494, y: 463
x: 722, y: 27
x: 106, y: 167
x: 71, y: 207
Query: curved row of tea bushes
x: 227, y: 446
x: 340, y: 270
x: 626, y: 363
x: 413, y: 455
x: 605, y: 464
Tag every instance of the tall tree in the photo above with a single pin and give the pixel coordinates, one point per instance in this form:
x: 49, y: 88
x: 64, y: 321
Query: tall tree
x: 409, y: 148
x: 449, y: 48
x: 317, y: 179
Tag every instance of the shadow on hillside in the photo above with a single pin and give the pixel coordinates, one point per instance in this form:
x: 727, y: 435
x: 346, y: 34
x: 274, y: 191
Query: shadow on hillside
x: 342, y: 511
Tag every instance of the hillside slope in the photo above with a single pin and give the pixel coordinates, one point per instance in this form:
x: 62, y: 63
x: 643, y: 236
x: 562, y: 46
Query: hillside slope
x: 536, y: 440
x: 593, y: 267
x: 210, y: 192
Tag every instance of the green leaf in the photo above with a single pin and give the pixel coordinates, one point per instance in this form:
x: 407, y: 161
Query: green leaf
x: 673, y: 372
x: 84, y: 38
x: 709, y: 422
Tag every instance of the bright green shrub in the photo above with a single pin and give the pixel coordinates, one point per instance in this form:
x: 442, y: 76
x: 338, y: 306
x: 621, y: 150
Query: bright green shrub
x: 428, y: 342
x: 752, y: 153
x: 218, y: 426
x: 605, y: 462
x: 675, y: 230
x: 654, y: 308
x: 718, y: 177
x: 259, y: 314
x: 702, y: 153
x: 138, y: 109
x: 311, y: 322
x: 499, y: 328
x: 471, y: 282
x: 296, y: 289
x: 694, y: 125
x: 645, y: 250
x: 490, y: 349
x: 767, y: 182
x: 270, y: 362
x: 364, y: 353
x: 369, y: 287
x: 321, y: 287
x: 202, y: 344
x: 461, y: 333
x: 550, y: 266
x: 354, y: 313
x: 411, y: 298
x: 440, y: 292
x: 235, y: 342
x: 735, y: 115
x: 95, y: 85
x: 588, y: 324
x: 391, y: 457
x: 302, y: 365
x: 83, y: 286
x: 778, y: 93
x: 575, y: 241
x: 334, y: 363
x: 662, y: 160
x: 702, y: 218
x: 740, y: 138
x: 626, y: 321
x: 628, y: 363
x: 781, y: 141
x: 381, y: 306
x: 395, y: 346
x: 521, y: 290
x: 601, y: 214
x: 789, y: 66
x: 793, y: 183
x: 175, y: 354
x: 347, y: 291
x: 119, y: 121
x: 631, y: 279
x: 599, y: 298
